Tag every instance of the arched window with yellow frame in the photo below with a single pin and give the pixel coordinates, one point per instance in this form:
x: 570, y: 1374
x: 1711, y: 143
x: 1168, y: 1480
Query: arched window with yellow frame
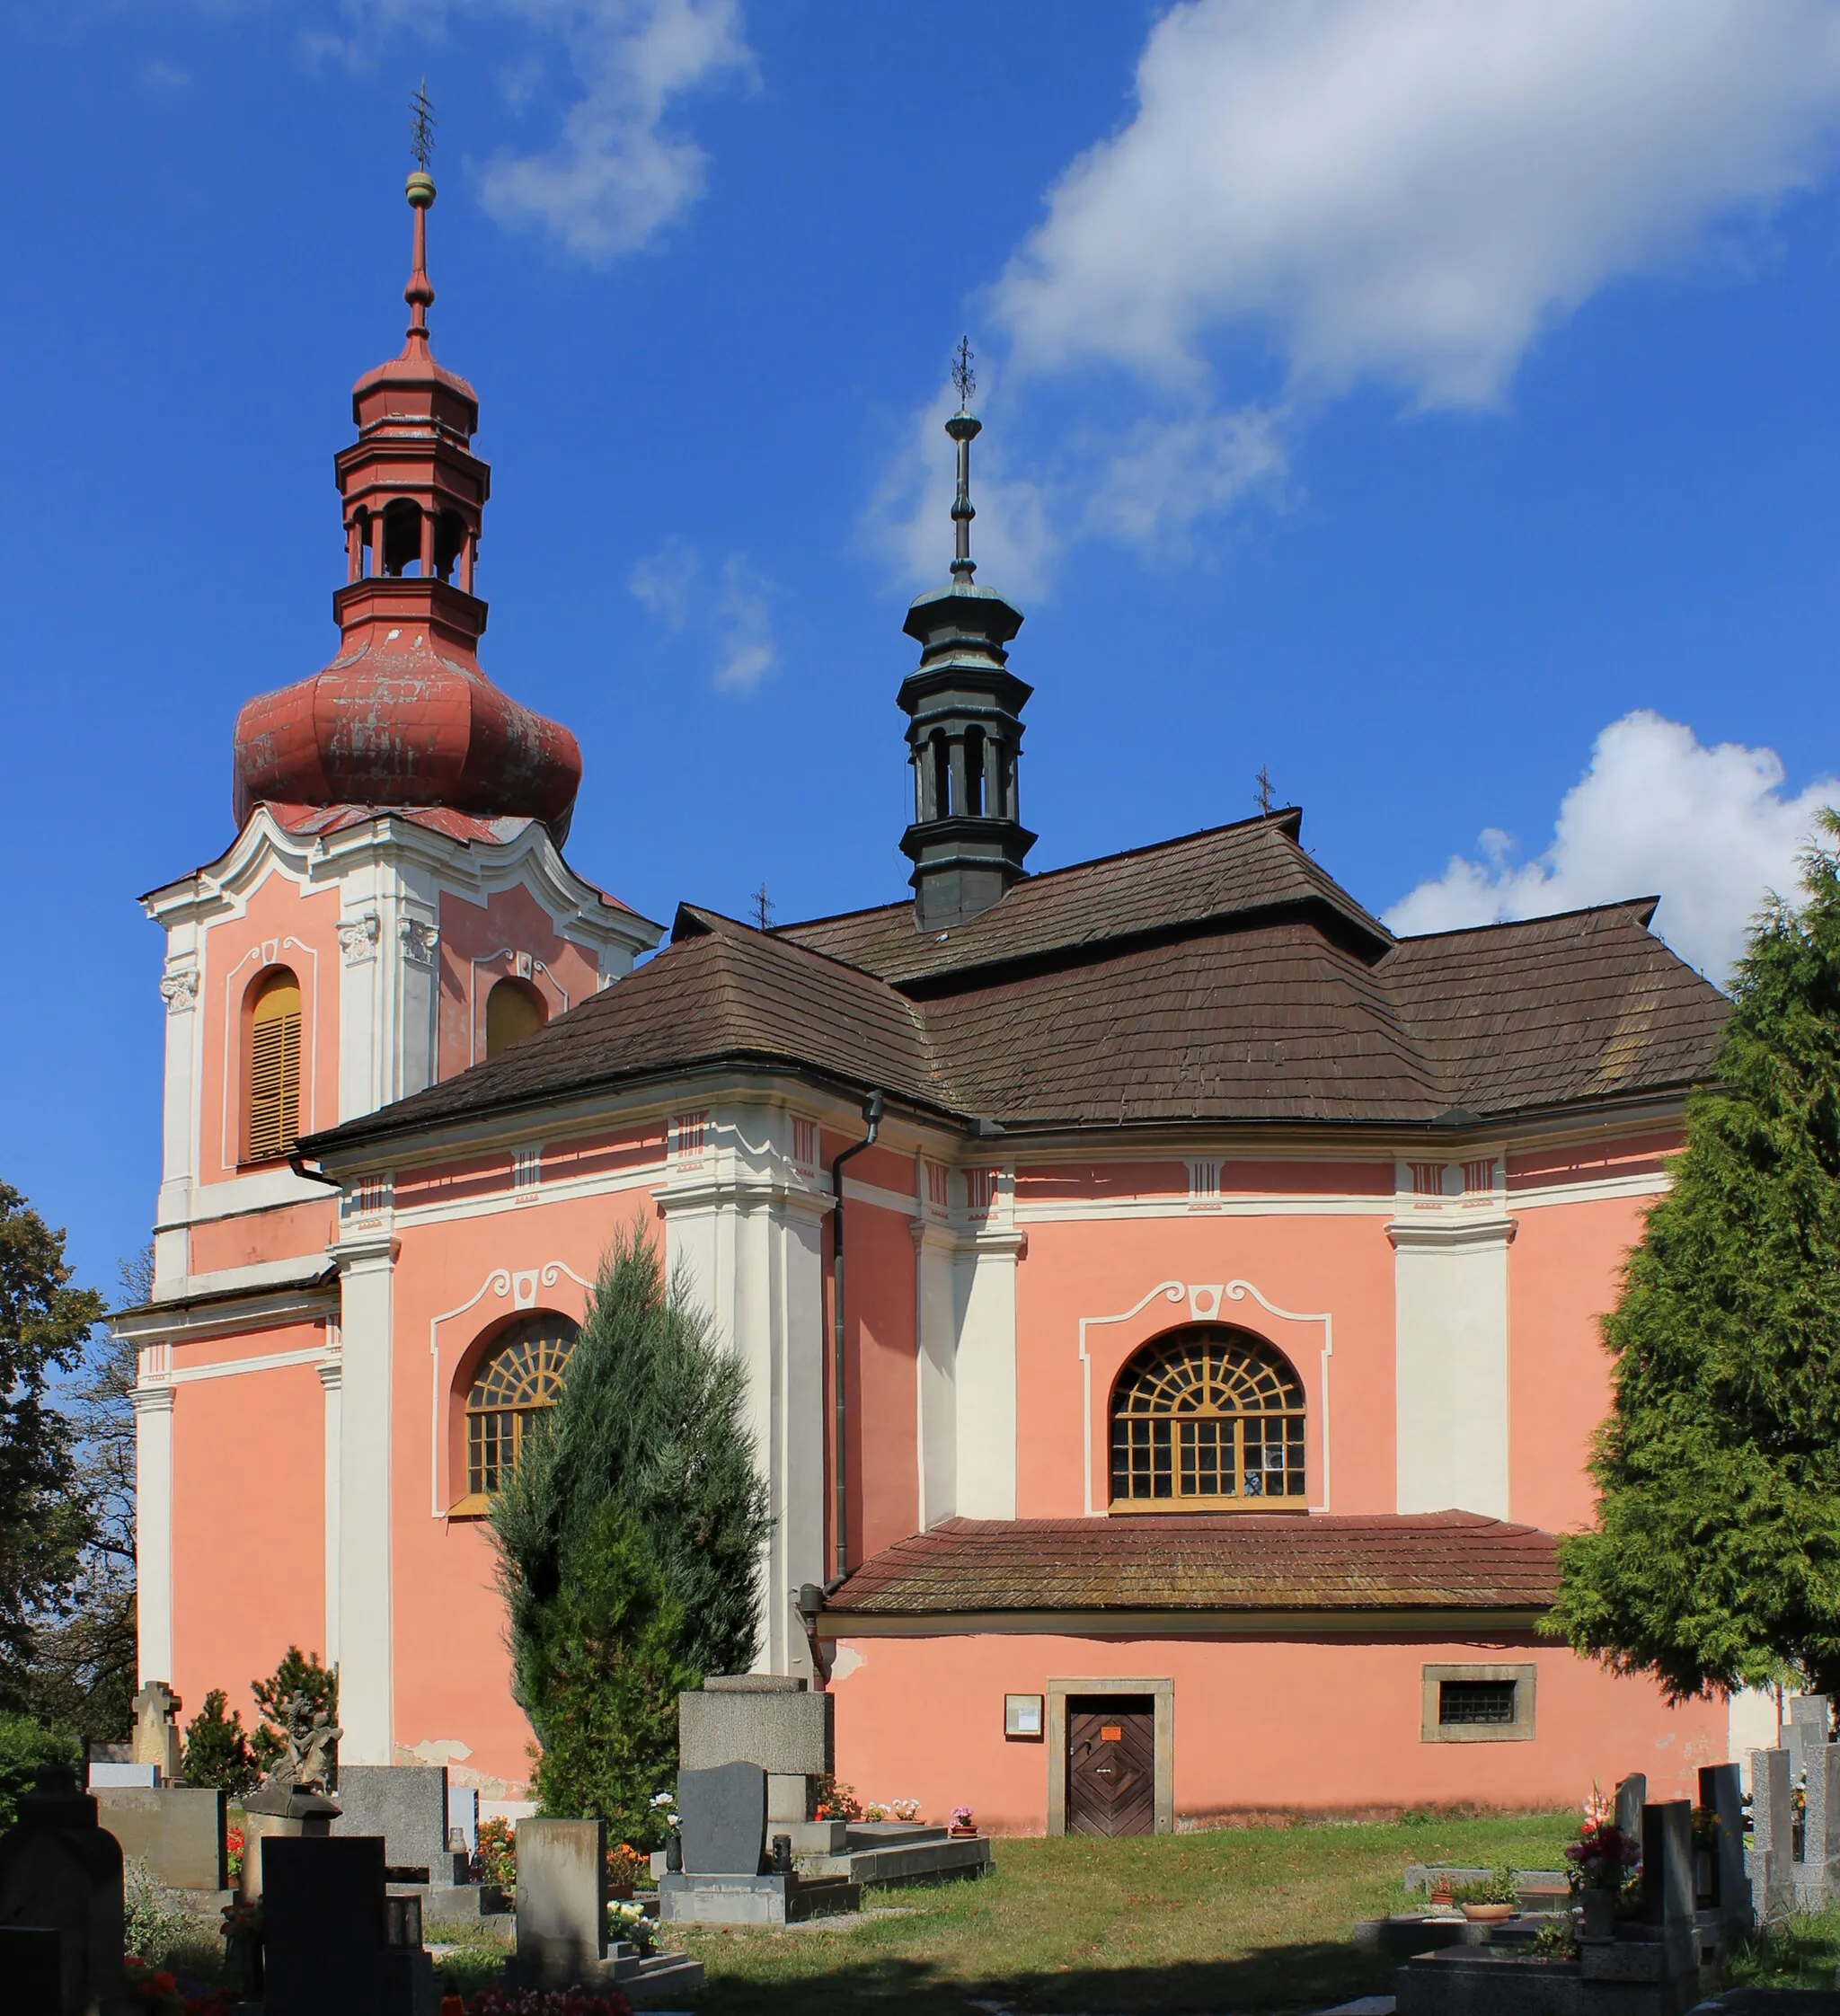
x: 520, y: 1377
x: 272, y: 1103
x: 1209, y: 1416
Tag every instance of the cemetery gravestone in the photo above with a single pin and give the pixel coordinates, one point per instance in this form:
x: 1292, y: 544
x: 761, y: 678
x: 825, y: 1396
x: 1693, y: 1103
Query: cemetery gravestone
x: 1773, y: 1836
x: 156, y: 1731
x: 1667, y: 1864
x: 1819, y: 1868
x: 60, y: 1871
x: 1810, y: 1723
x: 31, y: 1968
x: 561, y: 1901
x: 323, y: 1909
x: 176, y: 1830
x: 407, y: 1805
x: 721, y: 1817
x: 1722, y: 1795
x: 1632, y: 1796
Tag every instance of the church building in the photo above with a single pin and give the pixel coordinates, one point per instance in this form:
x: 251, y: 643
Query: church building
x: 1169, y: 1300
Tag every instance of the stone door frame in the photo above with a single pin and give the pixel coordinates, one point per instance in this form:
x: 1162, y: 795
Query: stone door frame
x: 1162, y: 1694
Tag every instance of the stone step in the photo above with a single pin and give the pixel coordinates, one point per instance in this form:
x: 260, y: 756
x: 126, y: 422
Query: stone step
x: 917, y: 1862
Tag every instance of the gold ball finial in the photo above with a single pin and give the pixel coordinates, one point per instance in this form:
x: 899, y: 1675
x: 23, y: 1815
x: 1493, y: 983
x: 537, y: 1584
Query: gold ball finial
x: 419, y: 189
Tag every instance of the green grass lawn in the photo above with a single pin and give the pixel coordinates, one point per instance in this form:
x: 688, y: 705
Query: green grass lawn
x: 1241, y: 1919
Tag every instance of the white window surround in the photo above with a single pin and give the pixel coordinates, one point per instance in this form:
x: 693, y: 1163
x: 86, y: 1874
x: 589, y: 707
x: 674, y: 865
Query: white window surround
x: 520, y: 1288
x: 1202, y: 1303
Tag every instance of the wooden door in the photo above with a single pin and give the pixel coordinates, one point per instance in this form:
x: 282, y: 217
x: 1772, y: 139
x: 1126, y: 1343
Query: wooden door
x: 1111, y: 1764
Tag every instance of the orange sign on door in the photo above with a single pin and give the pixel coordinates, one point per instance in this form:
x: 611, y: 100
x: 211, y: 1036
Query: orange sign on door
x: 1111, y: 1732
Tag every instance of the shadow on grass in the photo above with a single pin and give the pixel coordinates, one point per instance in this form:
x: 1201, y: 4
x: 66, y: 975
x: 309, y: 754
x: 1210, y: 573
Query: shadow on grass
x: 1275, y: 1978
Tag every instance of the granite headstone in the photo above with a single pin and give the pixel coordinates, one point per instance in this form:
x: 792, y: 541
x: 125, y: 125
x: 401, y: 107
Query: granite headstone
x: 177, y: 1831
x: 561, y: 1901
x: 407, y: 1805
x: 721, y: 1816
x: 323, y: 1930
x: 60, y: 1870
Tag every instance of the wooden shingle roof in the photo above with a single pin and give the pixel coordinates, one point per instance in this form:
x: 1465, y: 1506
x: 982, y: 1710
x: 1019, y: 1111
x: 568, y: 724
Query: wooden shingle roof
x: 1222, y: 978
x: 1223, y: 1562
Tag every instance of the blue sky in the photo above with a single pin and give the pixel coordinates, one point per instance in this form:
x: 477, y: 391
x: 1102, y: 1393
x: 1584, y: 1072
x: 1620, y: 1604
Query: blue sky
x: 1439, y: 405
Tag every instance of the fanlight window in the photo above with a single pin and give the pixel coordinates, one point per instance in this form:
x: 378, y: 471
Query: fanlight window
x: 1209, y: 1416
x: 522, y: 1375
x: 273, y: 1101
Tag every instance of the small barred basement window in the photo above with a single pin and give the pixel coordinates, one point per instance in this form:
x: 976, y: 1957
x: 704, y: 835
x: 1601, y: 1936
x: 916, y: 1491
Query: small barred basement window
x: 1477, y: 1704
x: 521, y: 1375
x: 1208, y: 1416
x: 272, y: 1098
x: 1470, y: 1701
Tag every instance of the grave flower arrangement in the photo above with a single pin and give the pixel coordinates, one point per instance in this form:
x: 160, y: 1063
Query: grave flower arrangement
x: 837, y: 1801
x: 627, y: 1868
x: 498, y: 1854
x: 1602, y: 1856
x: 633, y: 1922
x: 232, y: 1853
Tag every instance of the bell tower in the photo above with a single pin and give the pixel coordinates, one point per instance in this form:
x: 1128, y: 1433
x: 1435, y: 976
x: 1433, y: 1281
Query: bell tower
x: 964, y: 710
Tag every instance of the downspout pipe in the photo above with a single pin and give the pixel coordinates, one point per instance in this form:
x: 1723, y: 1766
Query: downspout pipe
x: 840, y: 1519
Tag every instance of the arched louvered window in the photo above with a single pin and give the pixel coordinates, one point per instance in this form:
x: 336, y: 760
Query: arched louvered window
x: 1207, y: 1416
x: 514, y: 1010
x: 272, y: 1098
x: 519, y: 1378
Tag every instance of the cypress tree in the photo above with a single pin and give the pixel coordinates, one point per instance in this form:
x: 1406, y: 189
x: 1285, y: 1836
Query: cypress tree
x: 632, y: 1528
x: 1715, y: 1560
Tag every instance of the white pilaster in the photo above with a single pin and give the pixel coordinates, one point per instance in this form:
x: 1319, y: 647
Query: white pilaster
x: 367, y: 1263
x: 179, y: 1134
x: 1450, y: 1290
x: 332, y: 1376
x: 935, y: 1372
x: 152, y: 1530
x: 983, y: 1289
x: 745, y: 1226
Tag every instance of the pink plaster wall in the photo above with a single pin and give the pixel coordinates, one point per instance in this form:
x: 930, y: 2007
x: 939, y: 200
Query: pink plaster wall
x: 1079, y: 1269
x: 451, y: 1680
x: 281, y: 927
x: 248, y: 1517
x: 479, y: 945
x: 1259, y: 1725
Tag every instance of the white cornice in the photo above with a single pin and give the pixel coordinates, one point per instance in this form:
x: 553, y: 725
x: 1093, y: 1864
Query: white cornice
x: 1443, y: 1232
x: 187, y: 1323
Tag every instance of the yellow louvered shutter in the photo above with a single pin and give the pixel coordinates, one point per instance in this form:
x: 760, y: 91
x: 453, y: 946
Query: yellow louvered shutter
x: 274, y: 1069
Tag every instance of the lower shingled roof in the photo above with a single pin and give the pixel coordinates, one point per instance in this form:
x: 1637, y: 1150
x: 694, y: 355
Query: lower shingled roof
x: 1220, y: 1562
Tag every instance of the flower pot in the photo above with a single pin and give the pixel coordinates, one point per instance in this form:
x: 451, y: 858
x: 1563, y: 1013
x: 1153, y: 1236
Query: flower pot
x: 962, y: 1833
x: 1488, y: 1914
x: 1600, y: 1913
x: 620, y: 1892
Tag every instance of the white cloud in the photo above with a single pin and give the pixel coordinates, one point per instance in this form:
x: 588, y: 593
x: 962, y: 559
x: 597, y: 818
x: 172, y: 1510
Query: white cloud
x: 1708, y: 830
x: 728, y: 608
x: 618, y: 173
x: 1410, y: 190
x: 910, y: 515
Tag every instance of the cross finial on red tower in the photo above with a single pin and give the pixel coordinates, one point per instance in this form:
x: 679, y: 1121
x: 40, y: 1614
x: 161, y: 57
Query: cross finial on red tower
x: 420, y: 192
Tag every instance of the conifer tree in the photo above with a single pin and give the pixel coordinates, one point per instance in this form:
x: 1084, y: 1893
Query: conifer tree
x: 1715, y: 1560
x: 644, y: 1465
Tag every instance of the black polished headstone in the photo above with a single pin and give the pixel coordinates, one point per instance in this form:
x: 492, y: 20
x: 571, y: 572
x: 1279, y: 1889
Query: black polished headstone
x: 30, y: 1966
x: 323, y: 1930
x: 721, y: 1816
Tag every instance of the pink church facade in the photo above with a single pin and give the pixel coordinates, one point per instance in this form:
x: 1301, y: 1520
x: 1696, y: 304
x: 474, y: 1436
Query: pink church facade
x: 1219, y: 1341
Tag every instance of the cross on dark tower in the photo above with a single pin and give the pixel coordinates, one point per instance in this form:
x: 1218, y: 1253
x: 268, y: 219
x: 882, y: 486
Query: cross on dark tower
x: 963, y: 381
x: 763, y: 908
x: 1263, y: 783
x: 421, y: 127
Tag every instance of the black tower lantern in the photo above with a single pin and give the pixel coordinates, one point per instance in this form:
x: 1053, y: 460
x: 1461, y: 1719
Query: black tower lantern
x: 964, y: 712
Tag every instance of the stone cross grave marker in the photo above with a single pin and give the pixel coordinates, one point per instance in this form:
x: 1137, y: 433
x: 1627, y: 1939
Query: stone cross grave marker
x: 59, y: 1868
x: 156, y: 1731
x: 561, y: 1901
x: 323, y: 1909
x: 721, y: 1816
